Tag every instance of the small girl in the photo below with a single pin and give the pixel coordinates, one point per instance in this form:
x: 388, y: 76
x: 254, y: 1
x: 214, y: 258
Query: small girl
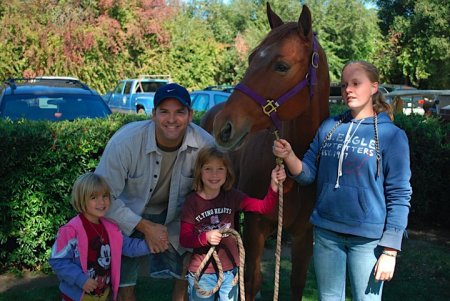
x: 211, y: 207
x: 87, y: 252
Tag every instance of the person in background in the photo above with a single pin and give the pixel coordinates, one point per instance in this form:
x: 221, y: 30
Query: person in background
x: 87, y: 252
x: 212, y: 207
x: 360, y: 161
x: 149, y: 167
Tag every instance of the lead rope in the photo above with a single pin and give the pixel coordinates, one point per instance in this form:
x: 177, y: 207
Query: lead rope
x: 212, y: 252
x: 279, y: 162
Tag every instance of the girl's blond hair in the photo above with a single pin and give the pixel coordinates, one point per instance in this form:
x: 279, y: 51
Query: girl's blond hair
x: 204, y: 156
x: 84, y: 187
x: 378, y: 101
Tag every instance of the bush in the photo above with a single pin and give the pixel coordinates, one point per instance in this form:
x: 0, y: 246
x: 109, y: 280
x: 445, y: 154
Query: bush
x: 41, y: 160
x: 429, y: 142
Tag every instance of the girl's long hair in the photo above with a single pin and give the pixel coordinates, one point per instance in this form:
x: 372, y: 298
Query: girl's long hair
x: 378, y: 99
x: 203, y: 157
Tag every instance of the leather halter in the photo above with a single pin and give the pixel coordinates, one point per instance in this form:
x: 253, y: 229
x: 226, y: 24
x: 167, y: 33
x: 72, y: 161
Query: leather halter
x: 270, y: 106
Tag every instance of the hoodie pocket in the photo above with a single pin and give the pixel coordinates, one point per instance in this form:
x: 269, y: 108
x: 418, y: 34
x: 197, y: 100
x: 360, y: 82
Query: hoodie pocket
x: 344, y: 203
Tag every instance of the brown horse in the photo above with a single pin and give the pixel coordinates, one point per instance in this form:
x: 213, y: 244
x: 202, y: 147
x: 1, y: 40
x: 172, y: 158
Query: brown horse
x: 288, y: 69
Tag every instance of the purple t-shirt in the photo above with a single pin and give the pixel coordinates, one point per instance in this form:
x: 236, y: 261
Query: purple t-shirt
x: 219, y: 213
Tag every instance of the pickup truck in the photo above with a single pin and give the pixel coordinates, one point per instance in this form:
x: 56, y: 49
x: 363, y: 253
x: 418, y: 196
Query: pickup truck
x: 135, y: 96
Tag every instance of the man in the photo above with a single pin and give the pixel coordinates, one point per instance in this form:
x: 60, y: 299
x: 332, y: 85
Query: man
x: 149, y: 167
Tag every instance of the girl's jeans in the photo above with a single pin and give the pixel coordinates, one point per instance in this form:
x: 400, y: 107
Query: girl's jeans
x: 227, y: 292
x: 334, y: 255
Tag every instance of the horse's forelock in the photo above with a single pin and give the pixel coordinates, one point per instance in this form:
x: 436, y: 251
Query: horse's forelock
x: 275, y: 35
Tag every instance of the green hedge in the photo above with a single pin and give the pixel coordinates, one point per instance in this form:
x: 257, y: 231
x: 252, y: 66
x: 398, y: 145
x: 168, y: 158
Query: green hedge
x: 40, y: 161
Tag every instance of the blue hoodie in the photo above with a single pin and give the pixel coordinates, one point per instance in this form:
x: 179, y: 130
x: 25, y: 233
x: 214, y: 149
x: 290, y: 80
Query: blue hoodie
x: 352, y: 198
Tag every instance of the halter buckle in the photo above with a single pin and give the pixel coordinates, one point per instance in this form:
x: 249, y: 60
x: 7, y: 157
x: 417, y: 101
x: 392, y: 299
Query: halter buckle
x: 315, y: 59
x: 270, y: 107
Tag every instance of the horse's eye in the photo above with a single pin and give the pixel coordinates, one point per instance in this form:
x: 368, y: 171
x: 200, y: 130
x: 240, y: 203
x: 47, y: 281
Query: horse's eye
x: 281, y: 67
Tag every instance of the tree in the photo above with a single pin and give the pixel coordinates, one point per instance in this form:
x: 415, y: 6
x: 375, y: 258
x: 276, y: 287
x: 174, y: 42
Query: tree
x: 192, y: 56
x: 97, y: 41
x: 418, y: 39
x: 347, y: 30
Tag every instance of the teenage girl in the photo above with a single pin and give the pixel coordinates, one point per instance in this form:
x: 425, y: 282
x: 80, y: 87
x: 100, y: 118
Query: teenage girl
x: 360, y: 161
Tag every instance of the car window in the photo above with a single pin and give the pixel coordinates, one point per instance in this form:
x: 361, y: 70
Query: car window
x: 149, y: 87
x: 55, y: 108
x: 220, y: 98
x: 127, y: 88
x: 335, y: 90
x: 200, y: 102
x: 119, y: 88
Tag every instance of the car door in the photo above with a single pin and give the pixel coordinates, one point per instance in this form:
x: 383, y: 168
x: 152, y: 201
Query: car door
x: 200, y: 102
x: 115, y: 100
x: 127, y: 105
x: 219, y: 98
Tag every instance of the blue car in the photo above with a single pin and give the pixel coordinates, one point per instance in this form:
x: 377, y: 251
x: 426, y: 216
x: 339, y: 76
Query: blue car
x: 50, y: 98
x: 203, y: 100
x: 135, y: 96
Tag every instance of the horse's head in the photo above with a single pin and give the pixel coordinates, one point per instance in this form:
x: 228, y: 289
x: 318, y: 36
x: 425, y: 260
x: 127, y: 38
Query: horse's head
x: 277, y: 83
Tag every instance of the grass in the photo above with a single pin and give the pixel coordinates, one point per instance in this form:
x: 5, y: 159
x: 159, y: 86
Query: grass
x: 422, y: 273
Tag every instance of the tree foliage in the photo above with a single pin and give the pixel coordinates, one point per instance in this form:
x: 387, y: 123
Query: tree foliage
x: 417, y: 42
x: 347, y: 31
x: 97, y: 41
x: 206, y: 42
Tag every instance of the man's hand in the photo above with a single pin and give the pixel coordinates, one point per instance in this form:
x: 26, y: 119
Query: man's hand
x: 156, y: 235
x: 90, y: 285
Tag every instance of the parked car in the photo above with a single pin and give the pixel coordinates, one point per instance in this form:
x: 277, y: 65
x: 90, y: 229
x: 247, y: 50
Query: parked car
x: 50, y: 98
x: 387, y: 88
x: 336, y: 96
x: 203, y: 100
x: 413, y: 100
x: 223, y: 88
x: 444, y: 113
x: 135, y: 96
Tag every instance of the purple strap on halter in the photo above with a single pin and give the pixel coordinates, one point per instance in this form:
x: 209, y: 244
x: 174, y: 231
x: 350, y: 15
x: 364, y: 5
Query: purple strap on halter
x: 313, y: 67
x: 270, y: 106
x: 259, y: 99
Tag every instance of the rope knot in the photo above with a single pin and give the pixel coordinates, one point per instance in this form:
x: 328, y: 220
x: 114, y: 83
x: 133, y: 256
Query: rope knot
x: 212, y: 252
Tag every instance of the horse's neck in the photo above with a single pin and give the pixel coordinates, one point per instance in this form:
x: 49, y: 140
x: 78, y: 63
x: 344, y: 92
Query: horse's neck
x: 298, y: 133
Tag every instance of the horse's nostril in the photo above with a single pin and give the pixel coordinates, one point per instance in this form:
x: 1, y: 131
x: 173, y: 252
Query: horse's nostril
x: 225, y: 133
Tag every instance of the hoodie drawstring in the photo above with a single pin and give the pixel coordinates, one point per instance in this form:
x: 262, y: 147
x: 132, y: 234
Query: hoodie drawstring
x: 348, y: 138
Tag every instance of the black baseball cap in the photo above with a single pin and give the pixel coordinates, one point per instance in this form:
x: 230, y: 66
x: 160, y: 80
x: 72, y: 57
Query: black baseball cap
x: 175, y: 91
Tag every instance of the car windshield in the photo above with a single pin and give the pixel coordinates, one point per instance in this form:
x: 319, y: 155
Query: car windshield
x: 148, y: 87
x: 200, y: 102
x: 53, y: 107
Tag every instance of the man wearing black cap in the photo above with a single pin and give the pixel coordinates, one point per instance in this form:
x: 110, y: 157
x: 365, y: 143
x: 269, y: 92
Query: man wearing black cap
x: 149, y: 168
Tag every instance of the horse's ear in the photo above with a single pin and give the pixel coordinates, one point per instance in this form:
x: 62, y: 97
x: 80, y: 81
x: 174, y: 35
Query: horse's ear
x: 274, y: 20
x: 305, y: 22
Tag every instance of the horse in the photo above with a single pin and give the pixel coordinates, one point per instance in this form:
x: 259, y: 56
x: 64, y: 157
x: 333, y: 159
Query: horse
x: 397, y: 105
x: 287, y: 85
